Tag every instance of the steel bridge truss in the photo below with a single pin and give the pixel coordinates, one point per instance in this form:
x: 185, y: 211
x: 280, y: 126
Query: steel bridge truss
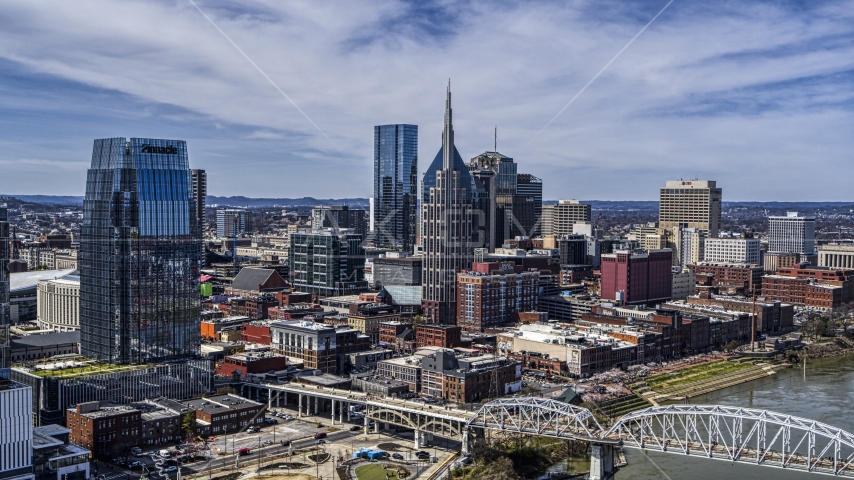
x: 538, y: 416
x: 739, y: 435
x: 444, y: 426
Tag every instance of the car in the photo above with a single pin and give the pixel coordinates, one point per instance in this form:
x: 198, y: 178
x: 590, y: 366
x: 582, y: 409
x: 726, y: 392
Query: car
x: 319, y: 435
x: 170, y: 469
x: 135, y: 465
x: 285, y: 443
x: 320, y: 442
x: 268, y: 442
x: 355, y: 428
x: 397, y: 456
x: 422, y: 455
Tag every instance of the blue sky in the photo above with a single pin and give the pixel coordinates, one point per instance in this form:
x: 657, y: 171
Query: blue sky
x: 756, y: 95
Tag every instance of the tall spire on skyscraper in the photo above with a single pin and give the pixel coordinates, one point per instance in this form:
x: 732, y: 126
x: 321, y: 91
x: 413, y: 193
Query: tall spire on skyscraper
x: 448, y: 134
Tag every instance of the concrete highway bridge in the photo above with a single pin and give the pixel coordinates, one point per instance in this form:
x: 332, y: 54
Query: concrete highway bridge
x: 733, y: 434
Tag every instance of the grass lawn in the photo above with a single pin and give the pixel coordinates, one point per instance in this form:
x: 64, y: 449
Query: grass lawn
x: 694, y: 374
x: 374, y: 472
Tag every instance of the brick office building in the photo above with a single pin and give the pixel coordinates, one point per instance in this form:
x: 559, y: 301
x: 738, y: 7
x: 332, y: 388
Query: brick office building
x: 637, y: 277
x: 465, y: 380
x: 443, y: 336
x: 771, y: 316
x: 255, y: 308
x: 492, y: 300
x: 105, y: 431
x: 738, y: 275
x: 243, y: 363
x: 227, y: 413
x: 398, y: 336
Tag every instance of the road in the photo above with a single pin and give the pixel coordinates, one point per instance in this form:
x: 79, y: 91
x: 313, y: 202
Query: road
x: 294, y: 430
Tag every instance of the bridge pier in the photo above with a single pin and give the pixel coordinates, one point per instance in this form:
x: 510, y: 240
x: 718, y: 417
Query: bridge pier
x: 333, y: 412
x: 601, y: 462
x: 466, y: 447
x: 367, y: 421
x: 417, y: 434
x: 299, y: 408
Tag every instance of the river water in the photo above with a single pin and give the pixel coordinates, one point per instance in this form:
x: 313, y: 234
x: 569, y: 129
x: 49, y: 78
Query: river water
x: 825, y: 394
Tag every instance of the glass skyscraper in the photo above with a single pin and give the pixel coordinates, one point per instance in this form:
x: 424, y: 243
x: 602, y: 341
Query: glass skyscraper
x: 139, y: 254
x: 395, y: 186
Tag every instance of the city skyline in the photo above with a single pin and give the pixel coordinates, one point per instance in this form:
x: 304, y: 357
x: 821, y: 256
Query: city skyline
x: 731, y: 92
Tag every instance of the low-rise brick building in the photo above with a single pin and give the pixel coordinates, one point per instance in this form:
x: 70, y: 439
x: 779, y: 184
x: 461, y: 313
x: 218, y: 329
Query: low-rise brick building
x: 738, y: 275
x: 227, y: 413
x: 243, y: 363
x: 434, y: 335
x: 105, y: 431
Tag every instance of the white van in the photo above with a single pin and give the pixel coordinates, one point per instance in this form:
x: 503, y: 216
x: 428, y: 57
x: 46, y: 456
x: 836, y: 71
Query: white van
x: 165, y: 453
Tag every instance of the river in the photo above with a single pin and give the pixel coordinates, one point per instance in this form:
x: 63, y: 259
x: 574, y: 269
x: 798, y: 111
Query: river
x: 826, y: 394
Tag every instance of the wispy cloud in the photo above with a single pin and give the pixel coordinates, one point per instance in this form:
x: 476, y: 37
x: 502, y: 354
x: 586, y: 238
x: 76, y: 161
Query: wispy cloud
x: 743, y: 92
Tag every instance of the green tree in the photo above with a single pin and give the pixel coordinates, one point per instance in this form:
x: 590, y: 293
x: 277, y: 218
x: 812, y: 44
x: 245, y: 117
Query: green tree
x: 188, y: 423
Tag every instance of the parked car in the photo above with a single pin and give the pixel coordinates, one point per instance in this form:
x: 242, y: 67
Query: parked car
x: 135, y: 465
x: 355, y: 428
x: 268, y: 442
x: 319, y: 435
x: 397, y: 456
x: 422, y: 455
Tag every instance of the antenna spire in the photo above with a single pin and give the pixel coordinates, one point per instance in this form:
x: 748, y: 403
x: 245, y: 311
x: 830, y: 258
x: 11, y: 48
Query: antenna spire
x: 495, y: 145
x: 448, y: 134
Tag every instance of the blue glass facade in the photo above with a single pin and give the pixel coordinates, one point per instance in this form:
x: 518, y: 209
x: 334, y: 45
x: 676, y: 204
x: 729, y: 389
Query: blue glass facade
x: 395, y: 185
x: 429, y: 180
x: 139, y: 254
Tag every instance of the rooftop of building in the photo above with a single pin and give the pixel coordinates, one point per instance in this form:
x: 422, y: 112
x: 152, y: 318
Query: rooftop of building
x: 220, y: 403
x: 45, y: 339
x: 250, y: 279
x: 378, y: 379
x: 106, y: 409
x: 77, y: 367
x: 254, y: 356
x: 323, y: 379
x: 27, y: 280
x: 410, y: 361
x: 726, y: 264
x: 234, y: 319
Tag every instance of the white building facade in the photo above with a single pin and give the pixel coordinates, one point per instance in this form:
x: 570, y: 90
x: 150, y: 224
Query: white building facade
x: 732, y: 250
x: 791, y: 234
x: 58, y: 303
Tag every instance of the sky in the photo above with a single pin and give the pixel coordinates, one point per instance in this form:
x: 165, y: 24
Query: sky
x: 279, y: 99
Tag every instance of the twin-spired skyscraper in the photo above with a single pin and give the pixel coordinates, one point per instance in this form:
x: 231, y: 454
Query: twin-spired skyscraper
x: 447, y: 227
x: 140, y: 248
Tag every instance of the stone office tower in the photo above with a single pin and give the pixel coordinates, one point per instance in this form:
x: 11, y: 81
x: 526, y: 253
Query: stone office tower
x: 139, y: 254
x: 446, y: 232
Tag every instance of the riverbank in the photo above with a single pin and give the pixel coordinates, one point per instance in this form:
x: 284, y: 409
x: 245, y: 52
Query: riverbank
x: 836, y: 347
x: 678, y: 386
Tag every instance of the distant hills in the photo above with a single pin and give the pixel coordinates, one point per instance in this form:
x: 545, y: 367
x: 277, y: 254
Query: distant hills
x: 284, y: 202
x: 241, y: 201
x: 47, y: 199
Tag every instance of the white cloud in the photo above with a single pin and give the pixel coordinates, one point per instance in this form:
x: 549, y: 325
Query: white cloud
x: 694, y: 94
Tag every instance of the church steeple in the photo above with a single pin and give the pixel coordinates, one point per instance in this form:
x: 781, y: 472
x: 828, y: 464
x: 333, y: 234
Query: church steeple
x: 448, y: 134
